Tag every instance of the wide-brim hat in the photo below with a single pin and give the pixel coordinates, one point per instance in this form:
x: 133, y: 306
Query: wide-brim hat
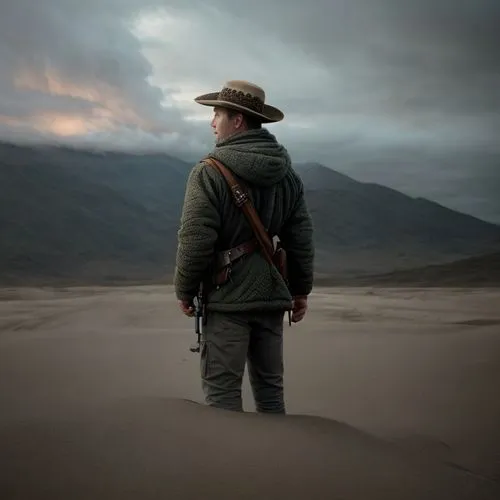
x: 243, y: 96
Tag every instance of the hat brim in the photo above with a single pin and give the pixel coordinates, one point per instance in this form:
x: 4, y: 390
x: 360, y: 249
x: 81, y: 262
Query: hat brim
x: 269, y: 114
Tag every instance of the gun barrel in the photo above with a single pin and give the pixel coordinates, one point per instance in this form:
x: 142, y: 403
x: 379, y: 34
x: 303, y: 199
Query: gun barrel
x: 198, y: 319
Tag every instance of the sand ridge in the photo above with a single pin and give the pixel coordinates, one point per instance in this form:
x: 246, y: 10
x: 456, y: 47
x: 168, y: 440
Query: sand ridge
x: 392, y: 394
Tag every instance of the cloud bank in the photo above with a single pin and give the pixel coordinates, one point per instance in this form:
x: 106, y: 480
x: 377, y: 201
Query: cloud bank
x: 399, y: 92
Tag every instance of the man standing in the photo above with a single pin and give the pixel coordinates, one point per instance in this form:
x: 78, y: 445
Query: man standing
x: 245, y: 308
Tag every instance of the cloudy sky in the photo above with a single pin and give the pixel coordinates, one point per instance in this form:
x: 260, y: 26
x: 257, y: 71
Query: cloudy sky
x: 401, y: 92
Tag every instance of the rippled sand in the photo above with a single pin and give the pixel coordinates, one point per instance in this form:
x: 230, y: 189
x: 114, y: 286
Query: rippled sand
x: 392, y: 393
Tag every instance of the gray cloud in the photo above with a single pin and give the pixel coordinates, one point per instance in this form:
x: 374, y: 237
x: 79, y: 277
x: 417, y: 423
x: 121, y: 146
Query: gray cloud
x: 386, y: 56
x: 78, y: 60
x: 400, y: 92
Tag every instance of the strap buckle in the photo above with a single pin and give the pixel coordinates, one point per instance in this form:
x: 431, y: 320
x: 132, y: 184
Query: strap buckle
x: 240, y: 197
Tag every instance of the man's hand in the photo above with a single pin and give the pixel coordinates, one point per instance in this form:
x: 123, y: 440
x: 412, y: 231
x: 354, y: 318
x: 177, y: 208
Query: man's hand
x: 187, y: 307
x: 299, y: 308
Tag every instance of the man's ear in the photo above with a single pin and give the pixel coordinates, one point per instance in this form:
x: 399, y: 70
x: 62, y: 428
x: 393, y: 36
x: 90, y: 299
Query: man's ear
x: 239, y: 120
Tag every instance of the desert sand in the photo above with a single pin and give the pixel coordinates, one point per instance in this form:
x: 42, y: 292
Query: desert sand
x: 391, y: 394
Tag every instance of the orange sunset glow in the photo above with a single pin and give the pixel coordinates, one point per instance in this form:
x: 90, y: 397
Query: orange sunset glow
x: 63, y: 125
x: 111, y: 108
x: 58, y: 124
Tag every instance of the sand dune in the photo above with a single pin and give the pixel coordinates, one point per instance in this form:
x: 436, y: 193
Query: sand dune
x: 153, y: 448
x: 391, y: 394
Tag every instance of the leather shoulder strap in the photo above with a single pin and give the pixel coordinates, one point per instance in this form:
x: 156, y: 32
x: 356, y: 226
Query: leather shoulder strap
x: 243, y: 201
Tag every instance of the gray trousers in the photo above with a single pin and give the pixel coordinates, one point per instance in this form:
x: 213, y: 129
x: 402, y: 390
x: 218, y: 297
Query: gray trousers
x: 229, y: 341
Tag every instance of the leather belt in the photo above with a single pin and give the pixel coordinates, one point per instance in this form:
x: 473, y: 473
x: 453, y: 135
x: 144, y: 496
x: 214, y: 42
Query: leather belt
x: 227, y: 257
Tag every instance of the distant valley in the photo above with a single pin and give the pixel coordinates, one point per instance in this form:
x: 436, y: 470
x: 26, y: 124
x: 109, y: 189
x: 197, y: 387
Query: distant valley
x: 69, y: 216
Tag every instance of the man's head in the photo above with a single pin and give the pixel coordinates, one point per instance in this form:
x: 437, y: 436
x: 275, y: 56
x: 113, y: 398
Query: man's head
x: 228, y: 122
x: 239, y: 106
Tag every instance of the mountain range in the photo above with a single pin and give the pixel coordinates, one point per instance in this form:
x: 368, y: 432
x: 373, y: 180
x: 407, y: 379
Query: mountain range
x: 480, y: 271
x: 73, y: 216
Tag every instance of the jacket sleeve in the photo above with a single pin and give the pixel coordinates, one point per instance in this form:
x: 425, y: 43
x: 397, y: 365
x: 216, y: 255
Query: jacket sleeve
x: 198, y: 232
x: 297, y: 239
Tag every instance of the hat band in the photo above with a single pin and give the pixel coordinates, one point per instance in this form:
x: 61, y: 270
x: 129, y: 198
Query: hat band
x: 239, y: 97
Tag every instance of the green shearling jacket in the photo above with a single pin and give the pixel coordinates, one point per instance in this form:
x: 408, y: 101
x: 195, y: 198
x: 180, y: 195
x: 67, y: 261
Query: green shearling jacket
x: 211, y: 222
